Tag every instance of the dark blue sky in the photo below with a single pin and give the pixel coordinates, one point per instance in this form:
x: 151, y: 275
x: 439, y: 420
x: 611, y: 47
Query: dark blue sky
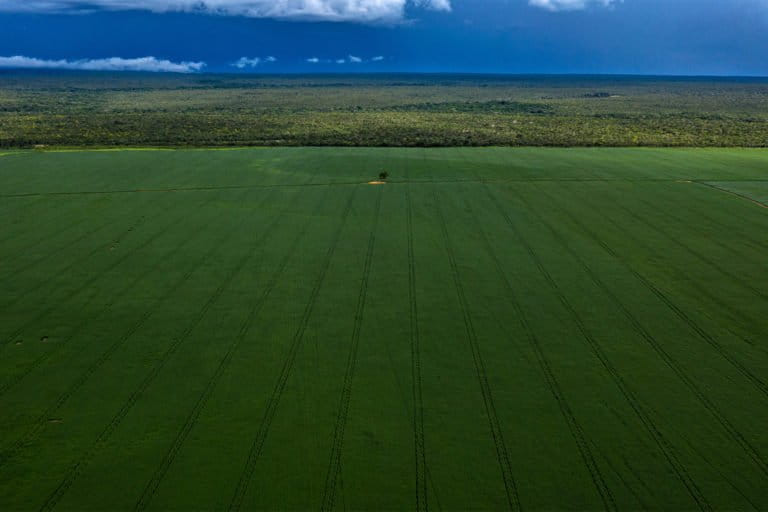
x: 718, y: 37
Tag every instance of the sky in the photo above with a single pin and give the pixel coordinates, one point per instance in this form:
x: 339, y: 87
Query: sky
x: 667, y: 37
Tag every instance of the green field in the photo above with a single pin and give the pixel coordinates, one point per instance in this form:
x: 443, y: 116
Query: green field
x: 494, y: 328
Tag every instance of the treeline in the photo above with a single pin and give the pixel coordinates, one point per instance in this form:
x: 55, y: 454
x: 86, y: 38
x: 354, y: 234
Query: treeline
x: 82, y: 109
x: 374, y: 129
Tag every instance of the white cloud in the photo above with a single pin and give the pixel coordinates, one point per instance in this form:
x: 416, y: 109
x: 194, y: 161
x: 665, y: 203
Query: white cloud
x: 355, y: 60
x: 313, y: 60
x: 245, y: 62
x: 326, y: 10
x: 252, y: 62
x: 435, y: 5
x: 570, y: 5
x: 111, y: 64
x: 378, y: 58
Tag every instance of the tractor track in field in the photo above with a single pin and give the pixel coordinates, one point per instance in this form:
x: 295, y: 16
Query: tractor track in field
x: 720, y: 473
x: 87, y: 283
x: 497, y: 433
x: 700, y: 289
x: 574, y: 426
x: 48, y: 236
x: 274, y: 400
x: 702, y: 212
x: 154, y: 483
x: 54, y: 251
x: 183, y: 189
x: 694, y: 253
x: 422, y: 503
x: 717, y: 242
x: 668, y: 360
x: 86, y: 321
x: 53, y: 498
x: 430, y: 180
x: 334, y: 464
x: 607, y: 461
x: 731, y: 192
x: 669, y: 452
x: 71, y: 265
x: 5, y: 455
x: 709, y: 339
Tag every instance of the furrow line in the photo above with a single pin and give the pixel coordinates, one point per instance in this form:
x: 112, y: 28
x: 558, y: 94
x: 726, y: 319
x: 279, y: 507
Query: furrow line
x: 59, y: 215
x: 670, y: 454
x: 56, y: 251
x: 274, y: 400
x: 105, y: 356
x: 576, y: 430
x: 87, y: 282
x: 52, y: 499
x: 694, y: 253
x: 334, y: 465
x: 735, y: 194
x: 703, y: 291
x: 86, y: 321
x: 69, y: 267
x: 709, y: 339
x: 750, y: 450
x: 422, y: 502
x: 702, y: 212
x: 497, y: 433
x: 181, y: 437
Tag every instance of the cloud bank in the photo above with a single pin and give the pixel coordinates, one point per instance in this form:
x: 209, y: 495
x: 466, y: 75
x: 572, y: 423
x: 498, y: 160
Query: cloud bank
x: 570, y: 5
x: 318, y: 10
x: 111, y: 64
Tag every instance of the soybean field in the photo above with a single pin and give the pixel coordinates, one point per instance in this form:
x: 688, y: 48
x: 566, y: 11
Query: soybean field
x: 487, y: 328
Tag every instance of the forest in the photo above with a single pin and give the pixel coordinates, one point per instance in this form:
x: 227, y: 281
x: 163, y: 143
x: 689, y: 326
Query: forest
x: 93, y: 109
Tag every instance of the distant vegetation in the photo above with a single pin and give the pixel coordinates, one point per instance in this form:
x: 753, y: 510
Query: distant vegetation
x: 96, y: 109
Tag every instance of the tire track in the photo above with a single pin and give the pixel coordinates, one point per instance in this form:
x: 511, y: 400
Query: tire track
x: 497, y: 433
x: 53, y: 498
x: 704, y: 207
x: 717, y: 469
x: 577, y: 431
x: 6, y: 386
x: 41, y: 421
x: 618, y: 474
x: 179, y: 189
x: 735, y: 435
x: 154, y: 483
x: 422, y: 502
x: 55, y: 251
x: 692, y: 252
x: 59, y: 215
x: 669, y: 452
x: 83, y: 378
x: 334, y: 465
x: 709, y: 339
x: 703, y: 291
x: 69, y: 267
x: 86, y: 283
x: 274, y: 400
x: 731, y: 192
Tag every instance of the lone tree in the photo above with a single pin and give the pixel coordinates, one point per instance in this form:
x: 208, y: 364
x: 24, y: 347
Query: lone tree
x: 383, y: 175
